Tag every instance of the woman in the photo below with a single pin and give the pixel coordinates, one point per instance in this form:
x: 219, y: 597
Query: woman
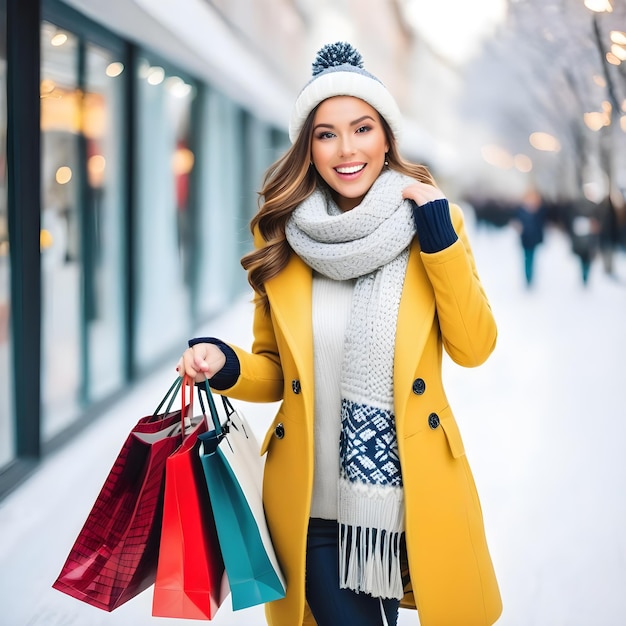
x: 362, y: 272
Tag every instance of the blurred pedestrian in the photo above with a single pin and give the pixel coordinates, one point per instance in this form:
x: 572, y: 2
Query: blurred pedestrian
x: 608, y: 234
x: 585, y: 234
x: 529, y: 221
x: 362, y: 272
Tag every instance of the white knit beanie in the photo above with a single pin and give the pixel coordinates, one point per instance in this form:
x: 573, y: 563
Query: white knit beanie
x: 338, y: 71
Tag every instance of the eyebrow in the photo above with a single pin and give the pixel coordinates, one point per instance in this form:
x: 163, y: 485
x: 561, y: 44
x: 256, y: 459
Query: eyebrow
x: 353, y: 123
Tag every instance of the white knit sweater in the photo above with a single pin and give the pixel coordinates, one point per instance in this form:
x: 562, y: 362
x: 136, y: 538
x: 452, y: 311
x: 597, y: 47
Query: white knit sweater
x: 331, y: 311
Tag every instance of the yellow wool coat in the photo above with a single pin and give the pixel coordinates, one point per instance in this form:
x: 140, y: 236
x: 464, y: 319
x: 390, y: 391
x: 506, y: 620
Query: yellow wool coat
x: 452, y: 581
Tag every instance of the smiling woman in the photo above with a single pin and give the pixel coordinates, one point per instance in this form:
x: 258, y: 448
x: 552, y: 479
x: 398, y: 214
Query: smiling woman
x: 363, y: 274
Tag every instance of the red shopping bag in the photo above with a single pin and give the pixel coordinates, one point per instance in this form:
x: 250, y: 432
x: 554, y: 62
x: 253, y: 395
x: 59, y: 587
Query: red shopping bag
x: 190, y: 581
x: 114, y: 557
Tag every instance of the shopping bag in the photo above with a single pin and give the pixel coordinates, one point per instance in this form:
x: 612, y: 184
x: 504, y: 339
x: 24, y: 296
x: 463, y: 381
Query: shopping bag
x: 114, y: 557
x: 190, y: 581
x: 233, y: 470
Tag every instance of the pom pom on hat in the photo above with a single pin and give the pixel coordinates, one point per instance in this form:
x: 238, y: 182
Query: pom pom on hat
x: 334, y: 54
x: 338, y: 71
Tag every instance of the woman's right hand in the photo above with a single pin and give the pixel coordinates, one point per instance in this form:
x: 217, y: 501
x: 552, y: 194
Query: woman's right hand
x: 201, y: 361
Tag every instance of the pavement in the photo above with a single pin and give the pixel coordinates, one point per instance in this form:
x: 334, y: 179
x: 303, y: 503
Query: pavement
x: 543, y: 423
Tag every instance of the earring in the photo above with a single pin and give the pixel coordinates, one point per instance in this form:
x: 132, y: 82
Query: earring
x: 386, y: 162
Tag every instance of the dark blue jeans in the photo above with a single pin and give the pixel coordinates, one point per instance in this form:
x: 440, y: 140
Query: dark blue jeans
x: 330, y: 605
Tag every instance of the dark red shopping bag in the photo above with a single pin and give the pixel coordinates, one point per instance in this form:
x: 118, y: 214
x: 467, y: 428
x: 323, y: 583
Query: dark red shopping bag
x: 190, y: 581
x: 114, y: 557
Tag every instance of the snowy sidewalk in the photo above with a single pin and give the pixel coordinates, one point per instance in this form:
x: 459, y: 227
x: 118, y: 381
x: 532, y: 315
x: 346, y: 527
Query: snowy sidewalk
x: 543, y: 425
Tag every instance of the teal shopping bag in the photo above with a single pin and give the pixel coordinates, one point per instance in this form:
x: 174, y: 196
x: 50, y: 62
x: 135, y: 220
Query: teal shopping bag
x: 233, y: 470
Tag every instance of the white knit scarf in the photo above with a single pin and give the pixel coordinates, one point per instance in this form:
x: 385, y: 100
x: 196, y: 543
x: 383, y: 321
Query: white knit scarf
x: 369, y: 243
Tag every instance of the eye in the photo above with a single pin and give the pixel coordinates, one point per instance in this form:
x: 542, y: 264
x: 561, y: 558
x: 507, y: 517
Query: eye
x: 326, y: 134
x: 363, y: 129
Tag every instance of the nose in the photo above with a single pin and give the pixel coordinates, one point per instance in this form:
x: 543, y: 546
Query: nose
x: 346, y: 145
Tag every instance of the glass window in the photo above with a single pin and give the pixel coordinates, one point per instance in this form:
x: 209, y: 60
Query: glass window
x: 219, y: 200
x: 82, y: 245
x: 7, y: 451
x: 102, y: 214
x: 60, y: 229
x: 237, y: 149
x: 163, y: 244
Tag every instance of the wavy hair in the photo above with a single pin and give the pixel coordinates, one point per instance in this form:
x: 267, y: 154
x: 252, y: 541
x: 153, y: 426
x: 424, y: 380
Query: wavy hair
x: 288, y: 182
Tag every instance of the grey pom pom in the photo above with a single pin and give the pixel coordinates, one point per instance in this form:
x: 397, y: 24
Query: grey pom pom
x: 334, y: 54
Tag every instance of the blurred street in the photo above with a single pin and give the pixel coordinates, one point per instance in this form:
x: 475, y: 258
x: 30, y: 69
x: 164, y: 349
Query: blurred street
x: 543, y: 425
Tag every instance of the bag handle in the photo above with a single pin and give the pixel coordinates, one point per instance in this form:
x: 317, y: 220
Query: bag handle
x: 215, y: 418
x: 228, y: 407
x: 186, y: 382
x: 171, y: 394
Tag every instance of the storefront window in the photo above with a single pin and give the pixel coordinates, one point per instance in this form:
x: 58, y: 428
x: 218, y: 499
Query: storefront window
x: 60, y: 229
x: 81, y: 237
x: 219, y: 187
x: 7, y: 451
x: 104, y: 260
x: 163, y: 244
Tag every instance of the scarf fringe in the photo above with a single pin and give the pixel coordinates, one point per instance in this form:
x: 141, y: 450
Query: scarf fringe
x: 369, y: 565
x: 369, y: 550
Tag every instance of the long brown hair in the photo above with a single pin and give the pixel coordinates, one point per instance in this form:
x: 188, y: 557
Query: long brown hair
x: 288, y: 182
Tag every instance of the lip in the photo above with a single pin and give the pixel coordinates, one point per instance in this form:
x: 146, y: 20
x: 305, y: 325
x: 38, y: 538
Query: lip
x: 349, y: 171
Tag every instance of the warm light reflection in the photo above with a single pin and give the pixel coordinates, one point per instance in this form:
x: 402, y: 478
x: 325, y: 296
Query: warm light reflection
x: 74, y: 112
x: 624, y: 105
x: 46, y: 87
x: 523, y: 163
x: 619, y: 51
x: 618, y: 37
x: 182, y: 161
x: 155, y: 75
x: 612, y: 59
x: 595, y: 120
x: 58, y: 40
x: 63, y: 175
x: 114, y: 69
x: 544, y: 141
x: 45, y: 239
x: 599, y: 80
x: 497, y: 156
x: 96, y: 165
x: 599, y: 6
x: 622, y: 123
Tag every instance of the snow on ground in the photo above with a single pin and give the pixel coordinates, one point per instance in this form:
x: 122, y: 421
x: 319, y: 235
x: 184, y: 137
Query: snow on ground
x: 544, y: 428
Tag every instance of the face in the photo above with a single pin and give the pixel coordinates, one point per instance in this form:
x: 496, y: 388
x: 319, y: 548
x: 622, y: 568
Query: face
x: 348, y: 148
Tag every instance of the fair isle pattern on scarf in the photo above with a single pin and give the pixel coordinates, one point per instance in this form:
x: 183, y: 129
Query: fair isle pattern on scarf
x: 369, y: 243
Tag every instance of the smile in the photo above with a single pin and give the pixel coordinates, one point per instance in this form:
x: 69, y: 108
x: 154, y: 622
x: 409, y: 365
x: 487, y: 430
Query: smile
x: 351, y: 169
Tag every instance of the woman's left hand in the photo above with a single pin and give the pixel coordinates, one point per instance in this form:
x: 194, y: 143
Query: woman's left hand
x: 422, y: 193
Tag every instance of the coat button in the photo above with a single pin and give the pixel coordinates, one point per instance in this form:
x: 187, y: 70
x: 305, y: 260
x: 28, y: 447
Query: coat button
x: 419, y: 386
x: 433, y: 420
x: 295, y: 386
x: 279, y: 431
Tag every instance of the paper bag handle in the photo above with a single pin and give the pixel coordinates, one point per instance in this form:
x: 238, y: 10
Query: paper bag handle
x: 215, y: 418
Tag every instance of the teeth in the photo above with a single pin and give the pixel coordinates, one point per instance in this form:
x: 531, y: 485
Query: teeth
x: 350, y: 170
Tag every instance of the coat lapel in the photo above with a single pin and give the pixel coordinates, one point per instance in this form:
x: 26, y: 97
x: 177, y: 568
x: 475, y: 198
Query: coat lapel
x: 290, y: 295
